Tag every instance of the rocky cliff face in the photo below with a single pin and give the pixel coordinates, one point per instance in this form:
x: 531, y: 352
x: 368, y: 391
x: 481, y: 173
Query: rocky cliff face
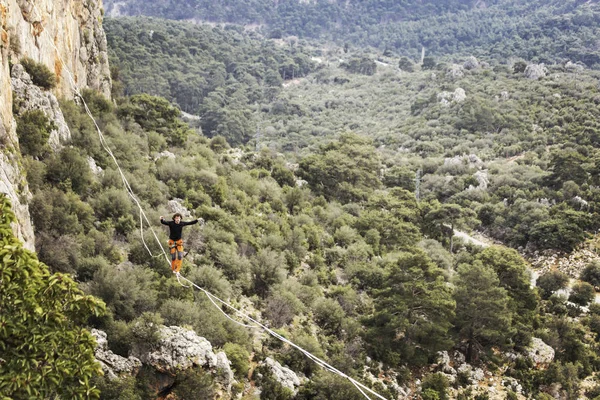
x: 66, y: 36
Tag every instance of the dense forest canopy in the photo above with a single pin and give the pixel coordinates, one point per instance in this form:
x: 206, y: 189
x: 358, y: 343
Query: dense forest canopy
x: 540, y: 30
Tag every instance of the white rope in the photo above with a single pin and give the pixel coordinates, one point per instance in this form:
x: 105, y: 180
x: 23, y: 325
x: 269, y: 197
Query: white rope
x: 210, y: 296
x: 103, y: 141
x: 278, y: 336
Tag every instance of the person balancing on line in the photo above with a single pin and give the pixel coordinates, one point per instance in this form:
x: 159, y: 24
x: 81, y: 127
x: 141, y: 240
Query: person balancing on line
x: 175, y: 241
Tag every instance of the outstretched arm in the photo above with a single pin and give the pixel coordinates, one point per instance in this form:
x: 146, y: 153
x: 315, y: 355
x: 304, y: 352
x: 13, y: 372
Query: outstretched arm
x: 190, y: 222
x: 162, y: 221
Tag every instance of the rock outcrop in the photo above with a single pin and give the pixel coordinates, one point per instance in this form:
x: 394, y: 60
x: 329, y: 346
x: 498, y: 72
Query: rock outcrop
x: 113, y: 365
x: 539, y: 352
x: 27, y: 96
x: 283, y: 375
x: 536, y: 71
x: 446, y: 98
x: 67, y: 37
x: 180, y: 349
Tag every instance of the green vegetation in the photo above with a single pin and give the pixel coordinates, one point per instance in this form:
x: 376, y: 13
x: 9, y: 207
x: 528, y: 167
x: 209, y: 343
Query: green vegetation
x: 33, y: 130
x: 335, y: 214
x: 40, y: 74
x: 45, y: 350
x: 541, y: 30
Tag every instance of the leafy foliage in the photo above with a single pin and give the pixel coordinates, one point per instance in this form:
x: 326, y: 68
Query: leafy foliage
x: 40, y: 74
x: 44, y: 347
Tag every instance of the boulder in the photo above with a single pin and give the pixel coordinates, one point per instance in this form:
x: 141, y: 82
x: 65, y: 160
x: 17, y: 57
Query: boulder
x: 471, y: 63
x: 113, y: 365
x: 283, y: 375
x: 539, y: 352
x: 536, y: 71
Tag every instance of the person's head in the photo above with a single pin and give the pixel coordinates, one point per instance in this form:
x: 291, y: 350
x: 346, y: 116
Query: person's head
x: 177, y: 218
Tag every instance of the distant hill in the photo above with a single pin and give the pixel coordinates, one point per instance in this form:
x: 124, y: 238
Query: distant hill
x: 540, y: 30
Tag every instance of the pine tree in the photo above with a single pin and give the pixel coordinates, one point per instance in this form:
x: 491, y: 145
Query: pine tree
x: 482, y: 313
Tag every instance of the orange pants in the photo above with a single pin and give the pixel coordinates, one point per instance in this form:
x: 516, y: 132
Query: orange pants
x: 176, y: 249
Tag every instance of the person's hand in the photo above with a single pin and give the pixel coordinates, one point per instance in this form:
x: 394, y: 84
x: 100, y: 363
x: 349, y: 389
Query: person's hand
x: 161, y: 217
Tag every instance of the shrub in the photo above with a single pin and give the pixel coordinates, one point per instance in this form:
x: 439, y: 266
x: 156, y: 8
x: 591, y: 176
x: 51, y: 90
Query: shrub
x: 40, y: 74
x: 239, y: 358
x: 591, y: 274
x: 33, y: 130
x: 436, y: 383
x: 552, y: 281
x: 582, y: 293
x: 194, y: 384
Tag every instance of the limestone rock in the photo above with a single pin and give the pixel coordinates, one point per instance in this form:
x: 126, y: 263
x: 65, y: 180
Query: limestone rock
x: 446, y: 98
x: 164, y: 154
x: 483, y: 180
x: 180, y: 349
x: 471, y: 63
x: 112, y: 364
x: 456, y: 71
x: 96, y: 170
x: 536, y: 71
x: 283, y: 375
x: 28, y: 96
x: 176, y: 206
x: 539, y: 352
x: 572, y: 67
x: 51, y: 32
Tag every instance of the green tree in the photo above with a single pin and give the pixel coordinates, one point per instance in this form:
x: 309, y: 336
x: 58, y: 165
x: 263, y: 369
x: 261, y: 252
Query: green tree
x: 483, y: 316
x: 33, y: 130
x: 552, y: 281
x: 44, y: 347
x: 344, y: 170
x: 413, y: 312
x: 591, y: 273
x: 582, y: 293
x: 406, y: 65
x: 512, y: 272
x: 428, y: 63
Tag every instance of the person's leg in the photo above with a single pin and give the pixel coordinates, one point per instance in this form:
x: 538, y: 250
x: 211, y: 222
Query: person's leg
x: 179, y: 260
x: 173, y: 251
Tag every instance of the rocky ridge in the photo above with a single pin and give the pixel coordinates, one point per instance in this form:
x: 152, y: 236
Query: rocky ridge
x: 67, y: 37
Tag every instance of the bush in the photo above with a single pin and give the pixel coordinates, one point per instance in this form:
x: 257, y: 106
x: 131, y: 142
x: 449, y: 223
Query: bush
x: 33, y: 130
x: 582, y: 293
x: 436, y: 383
x: 552, y: 281
x: 591, y: 274
x: 239, y: 358
x: 40, y: 74
x: 194, y: 384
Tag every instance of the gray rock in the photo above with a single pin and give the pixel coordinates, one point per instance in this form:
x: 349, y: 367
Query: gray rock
x: 572, y: 67
x: 536, y: 71
x: 283, y: 375
x: 96, y: 170
x: 445, y: 364
x: 112, y: 364
x: 28, y: 96
x: 446, y: 98
x: 482, y: 179
x: 456, y: 71
x: 539, y: 352
x: 471, y: 63
x: 176, y: 206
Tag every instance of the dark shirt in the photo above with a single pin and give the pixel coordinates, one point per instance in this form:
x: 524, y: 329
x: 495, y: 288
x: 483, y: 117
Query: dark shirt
x: 176, y: 228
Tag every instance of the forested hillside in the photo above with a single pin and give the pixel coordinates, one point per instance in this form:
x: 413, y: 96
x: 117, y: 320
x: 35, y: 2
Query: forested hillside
x: 330, y: 178
x: 341, y: 266
x: 521, y: 153
x: 540, y: 30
